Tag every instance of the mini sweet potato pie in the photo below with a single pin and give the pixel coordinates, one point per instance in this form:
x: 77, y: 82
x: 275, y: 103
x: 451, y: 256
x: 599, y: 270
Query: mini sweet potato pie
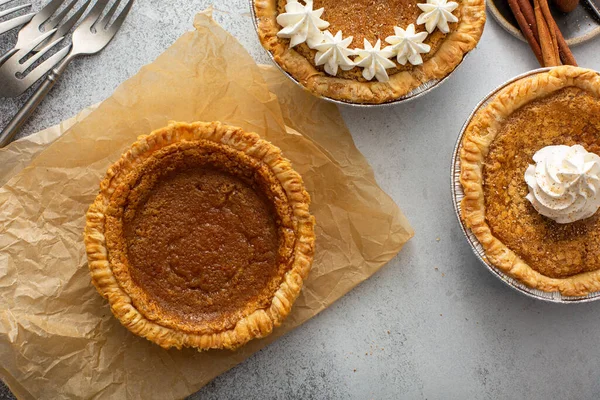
x: 200, y: 237
x: 530, y: 170
x: 368, y: 51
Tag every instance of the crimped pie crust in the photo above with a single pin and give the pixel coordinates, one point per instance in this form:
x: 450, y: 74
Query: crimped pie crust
x: 107, y: 251
x: 462, y: 39
x: 479, y: 136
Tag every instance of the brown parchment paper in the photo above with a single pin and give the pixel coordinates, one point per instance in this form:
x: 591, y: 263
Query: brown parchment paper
x: 58, y: 338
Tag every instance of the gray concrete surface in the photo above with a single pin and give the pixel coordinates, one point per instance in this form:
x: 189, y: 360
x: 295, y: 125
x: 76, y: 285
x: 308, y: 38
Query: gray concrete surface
x: 434, y: 323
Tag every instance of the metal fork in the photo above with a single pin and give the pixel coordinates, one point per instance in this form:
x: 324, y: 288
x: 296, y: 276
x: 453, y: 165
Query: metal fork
x: 90, y: 37
x: 14, y: 22
x: 31, y: 41
x: 41, y: 19
x: 13, y: 83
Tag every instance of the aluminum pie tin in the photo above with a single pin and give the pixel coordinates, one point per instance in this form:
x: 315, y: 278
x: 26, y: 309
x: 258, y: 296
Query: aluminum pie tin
x: 458, y: 195
x: 412, y: 95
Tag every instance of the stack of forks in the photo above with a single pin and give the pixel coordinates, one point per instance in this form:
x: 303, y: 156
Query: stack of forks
x: 23, y: 66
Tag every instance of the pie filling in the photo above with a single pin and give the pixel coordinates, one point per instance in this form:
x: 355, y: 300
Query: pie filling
x: 204, y: 243
x: 567, y: 117
x: 371, y: 20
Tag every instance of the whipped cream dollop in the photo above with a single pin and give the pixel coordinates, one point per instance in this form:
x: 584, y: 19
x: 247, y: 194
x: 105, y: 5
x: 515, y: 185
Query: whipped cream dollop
x: 437, y: 13
x: 333, y: 52
x: 374, y: 60
x: 408, y: 45
x: 301, y: 23
x: 564, y: 183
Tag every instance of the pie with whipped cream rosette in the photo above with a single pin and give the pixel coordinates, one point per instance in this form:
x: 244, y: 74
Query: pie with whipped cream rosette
x: 530, y: 171
x: 368, y: 51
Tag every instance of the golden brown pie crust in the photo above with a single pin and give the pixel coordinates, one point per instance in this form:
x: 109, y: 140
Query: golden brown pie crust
x: 447, y: 50
x: 560, y: 106
x: 200, y: 237
x: 568, y: 116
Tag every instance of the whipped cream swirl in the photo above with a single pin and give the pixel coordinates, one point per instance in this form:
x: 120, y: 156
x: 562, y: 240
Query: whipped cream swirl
x: 301, y: 23
x: 564, y: 184
x: 408, y: 45
x: 437, y: 13
x: 334, y: 52
x: 375, y: 61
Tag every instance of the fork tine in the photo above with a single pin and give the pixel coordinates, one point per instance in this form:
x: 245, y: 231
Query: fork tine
x: 46, y: 12
x: 70, y: 23
x: 121, y: 18
x: 12, y: 10
x: 12, y: 67
x: 13, y: 23
x: 32, y: 30
x: 27, y: 49
x: 53, y: 23
x: 109, y: 14
x: 93, y: 15
x: 44, y: 67
x: 2, y: 2
x: 65, y: 27
x: 39, y: 54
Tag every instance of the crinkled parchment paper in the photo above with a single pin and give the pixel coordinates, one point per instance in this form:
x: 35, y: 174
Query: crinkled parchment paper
x: 58, y: 338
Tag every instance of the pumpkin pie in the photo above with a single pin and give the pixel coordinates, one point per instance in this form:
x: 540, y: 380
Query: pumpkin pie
x: 530, y: 170
x: 200, y: 237
x: 368, y: 51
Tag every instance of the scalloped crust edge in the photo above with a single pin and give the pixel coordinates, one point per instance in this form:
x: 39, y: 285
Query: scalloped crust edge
x: 479, y: 135
x: 445, y: 60
x: 258, y: 324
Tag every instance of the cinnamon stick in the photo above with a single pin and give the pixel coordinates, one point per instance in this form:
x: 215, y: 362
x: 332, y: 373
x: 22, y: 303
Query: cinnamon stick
x: 527, y: 11
x: 526, y: 24
x: 548, y: 42
x: 566, y: 55
x: 550, y: 22
x: 527, y: 19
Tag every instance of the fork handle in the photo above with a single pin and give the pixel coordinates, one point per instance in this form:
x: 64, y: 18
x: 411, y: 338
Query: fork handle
x: 9, y: 132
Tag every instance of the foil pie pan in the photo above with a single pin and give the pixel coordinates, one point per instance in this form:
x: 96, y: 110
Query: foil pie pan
x: 458, y: 194
x: 413, y: 94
